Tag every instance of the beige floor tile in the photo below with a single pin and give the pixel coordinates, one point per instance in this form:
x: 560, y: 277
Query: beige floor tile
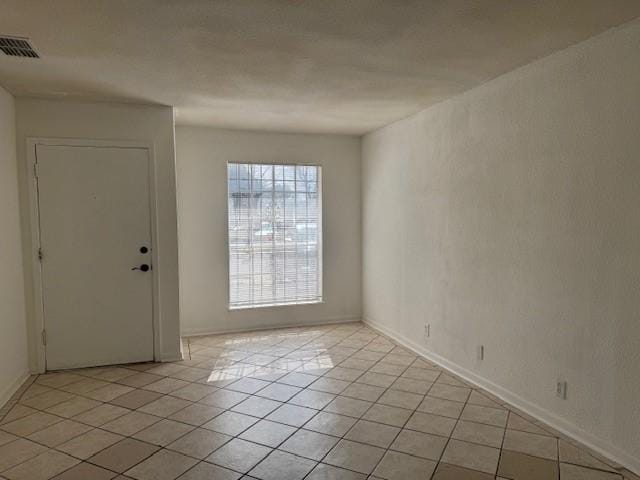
x: 524, y: 467
x: 377, y: 379
x: 329, y: 376
x: 196, y: 414
x: 136, y: 399
x: 268, y: 374
x: 516, y: 422
x: 420, y: 444
x: 575, y: 472
x: 199, y: 443
x: 230, y: 423
x: 83, y: 386
x: 282, y: 466
x: 348, y: 406
x: 470, y: 455
x: 113, y: 374
x: 445, y: 471
x: 193, y: 392
x: 256, y: 406
x: 477, y: 398
x: 357, y: 363
x: 399, y: 466
x: 108, y: 392
x: 388, y: 368
x: 449, y: 392
x: 308, y: 444
x: 388, y: 415
x: 479, y: 433
x: 247, y: 385
x: 268, y: 433
x: 57, y: 380
x: 30, y: 424
x: 164, y: 406
x: 411, y: 385
x: 577, y: 456
x: 166, y: 385
x: 329, y: 385
x: 422, y: 374
x: 73, y: 407
x: 88, y: 444
x: 139, y: 380
x: 372, y: 433
x: 101, y: 414
x: 163, y: 465
x: 6, y: 437
x: 239, y: 455
x: 354, y: 456
x: 208, y: 471
x: 86, y: 471
x: 447, y: 379
x: 191, y: 374
x: 163, y: 433
x: 59, y: 433
x: 396, y: 398
x: 42, y: 467
x: 33, y: 390
x: 487, y: 415
x: 18, y: 451
x: 322, y: 471
x: 123, y: 455
x: 16, y: 412
x: 292, y: 415
x: 346, y: 374
x: 362, y: 391
x: 224, y: 398
x: 46, y: 400
x: 130, y: 423
x: 312, y: 399
x: 439, y: 406
x: 298, y: 379
x: 429, y: 423
x: 531, y: 444
x: 279, y: 392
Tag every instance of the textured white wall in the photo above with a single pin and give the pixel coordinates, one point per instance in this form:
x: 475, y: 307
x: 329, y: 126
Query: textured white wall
x: 13, y: 339
x: 113, y: 121
x: 202, y: 155
x: 510, y: 217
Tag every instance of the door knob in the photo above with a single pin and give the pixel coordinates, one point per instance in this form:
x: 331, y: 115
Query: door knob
x: 144, y: 267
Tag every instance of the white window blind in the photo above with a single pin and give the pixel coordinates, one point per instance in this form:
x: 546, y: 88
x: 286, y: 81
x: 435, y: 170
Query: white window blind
x: 275, y: 234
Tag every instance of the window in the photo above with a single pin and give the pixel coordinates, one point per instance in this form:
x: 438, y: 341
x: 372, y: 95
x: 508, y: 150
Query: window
x: 275, y: 234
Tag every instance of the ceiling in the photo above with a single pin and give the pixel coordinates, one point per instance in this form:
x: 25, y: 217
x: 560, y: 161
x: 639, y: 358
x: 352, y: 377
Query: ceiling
x: 338, y: 66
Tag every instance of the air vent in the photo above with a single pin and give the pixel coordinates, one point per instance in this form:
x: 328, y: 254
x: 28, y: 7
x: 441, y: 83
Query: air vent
x: 17, y: 47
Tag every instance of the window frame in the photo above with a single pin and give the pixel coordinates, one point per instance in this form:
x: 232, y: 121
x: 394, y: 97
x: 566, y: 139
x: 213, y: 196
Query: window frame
x: 321, y: 299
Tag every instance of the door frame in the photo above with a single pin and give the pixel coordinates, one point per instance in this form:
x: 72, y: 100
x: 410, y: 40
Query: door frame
x: 34, y: 214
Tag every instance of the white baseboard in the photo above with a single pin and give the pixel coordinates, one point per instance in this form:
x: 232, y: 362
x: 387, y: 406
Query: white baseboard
x: 9, y: 390
x: 569, y: 429
x: 195, y: 332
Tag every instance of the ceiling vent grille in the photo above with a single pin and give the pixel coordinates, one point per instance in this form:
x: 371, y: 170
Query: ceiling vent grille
x: 17, y: 47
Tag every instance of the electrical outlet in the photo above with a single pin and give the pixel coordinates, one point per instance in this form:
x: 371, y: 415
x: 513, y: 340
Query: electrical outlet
x: 561, y: 389
x: 480, y: 352
x: 427, y: 329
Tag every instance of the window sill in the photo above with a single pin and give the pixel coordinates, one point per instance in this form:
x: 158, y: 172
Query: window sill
x: 232, y: 308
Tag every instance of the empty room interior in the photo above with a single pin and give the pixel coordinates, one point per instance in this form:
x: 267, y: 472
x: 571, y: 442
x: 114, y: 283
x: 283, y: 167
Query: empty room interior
x: 320, y: 240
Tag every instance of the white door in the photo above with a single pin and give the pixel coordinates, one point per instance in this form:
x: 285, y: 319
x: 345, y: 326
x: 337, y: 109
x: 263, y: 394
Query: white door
x: 95, y: 236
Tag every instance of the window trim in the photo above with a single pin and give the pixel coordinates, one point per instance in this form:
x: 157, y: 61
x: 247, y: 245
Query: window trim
x: 321, y: 299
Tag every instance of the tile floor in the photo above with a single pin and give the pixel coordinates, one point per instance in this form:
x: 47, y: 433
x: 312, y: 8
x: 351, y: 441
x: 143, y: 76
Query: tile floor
x: 318, y: 403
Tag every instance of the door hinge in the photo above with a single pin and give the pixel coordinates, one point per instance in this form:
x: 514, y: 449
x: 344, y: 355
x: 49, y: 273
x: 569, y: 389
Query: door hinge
x: 44, y: 337
x: 40, y: 254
